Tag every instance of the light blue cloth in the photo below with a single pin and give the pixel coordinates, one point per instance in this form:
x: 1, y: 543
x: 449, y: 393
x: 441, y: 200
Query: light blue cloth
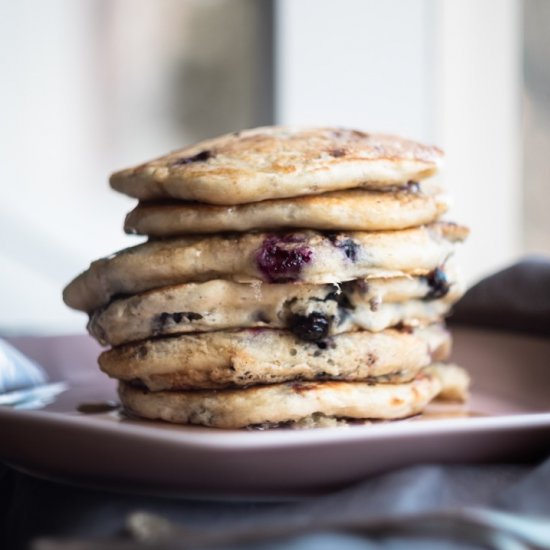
x: 18, y: 371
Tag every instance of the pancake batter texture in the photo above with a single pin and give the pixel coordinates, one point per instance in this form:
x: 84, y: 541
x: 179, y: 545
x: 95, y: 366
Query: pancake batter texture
x: 292, y: 277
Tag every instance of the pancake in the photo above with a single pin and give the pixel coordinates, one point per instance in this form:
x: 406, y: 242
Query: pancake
x: 265, y: 356
x: 353, y: 210
x: 306, y: 256
x: 286, y: 402
x: 279, y: 162
x: 311, y: 312
x: 455, y: 381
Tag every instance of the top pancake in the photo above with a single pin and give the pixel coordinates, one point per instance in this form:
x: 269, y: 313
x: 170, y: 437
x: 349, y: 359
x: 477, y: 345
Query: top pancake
x: 279, y: 162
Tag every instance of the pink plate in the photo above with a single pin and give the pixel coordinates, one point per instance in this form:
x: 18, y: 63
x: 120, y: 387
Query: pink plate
x: 507, y: 419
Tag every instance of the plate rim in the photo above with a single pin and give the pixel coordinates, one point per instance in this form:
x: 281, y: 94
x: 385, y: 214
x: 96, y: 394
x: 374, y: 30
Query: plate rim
x: 213, y: 438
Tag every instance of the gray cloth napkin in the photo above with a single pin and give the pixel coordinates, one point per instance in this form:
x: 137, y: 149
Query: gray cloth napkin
x: 516, y: 299
x: 41, y: 508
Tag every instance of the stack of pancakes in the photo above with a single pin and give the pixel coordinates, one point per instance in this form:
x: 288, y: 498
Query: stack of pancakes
x: 291, y: 277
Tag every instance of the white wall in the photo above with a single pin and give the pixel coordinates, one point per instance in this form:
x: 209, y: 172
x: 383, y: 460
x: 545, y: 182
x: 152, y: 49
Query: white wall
x: 442, y: 71
x: 50, y: 217
x: 478, y: 123
x: 88, y: 87
x: 359, y: 63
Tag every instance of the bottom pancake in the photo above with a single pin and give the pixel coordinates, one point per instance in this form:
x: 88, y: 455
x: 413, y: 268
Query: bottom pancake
x: 293, y: 401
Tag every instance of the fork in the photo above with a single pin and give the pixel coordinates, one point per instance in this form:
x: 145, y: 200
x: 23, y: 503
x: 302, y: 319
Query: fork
x: 23, y: 382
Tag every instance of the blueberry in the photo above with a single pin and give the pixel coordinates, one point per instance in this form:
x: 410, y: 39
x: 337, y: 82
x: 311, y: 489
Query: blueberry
x: 341, y: 298
x: 192, y: 316
x: 402, y: 327
x: 413, y: 186
x: 348, y: 246
x: 281, y: 259
x: 350, y: 249
x: 359, y: 286
x: 312, y: 328
x: 164, y: 319
x: 119, y: 296
x: 199, y: 157
x: 438, y: 283
x: 262, y: 317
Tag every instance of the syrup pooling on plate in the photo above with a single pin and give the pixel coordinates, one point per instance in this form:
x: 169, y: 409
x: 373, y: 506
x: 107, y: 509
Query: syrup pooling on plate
x: 97, y: 407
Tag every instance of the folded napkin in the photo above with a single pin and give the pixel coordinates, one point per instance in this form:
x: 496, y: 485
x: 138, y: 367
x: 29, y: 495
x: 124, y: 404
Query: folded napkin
x: 423, y: 507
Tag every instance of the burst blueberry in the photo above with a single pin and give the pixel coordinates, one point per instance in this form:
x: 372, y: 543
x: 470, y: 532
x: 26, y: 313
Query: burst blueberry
x: 281, y: 259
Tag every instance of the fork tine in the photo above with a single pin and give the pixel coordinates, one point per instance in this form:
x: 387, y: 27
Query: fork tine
x: 38, y: 395
x: 18, y: 371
